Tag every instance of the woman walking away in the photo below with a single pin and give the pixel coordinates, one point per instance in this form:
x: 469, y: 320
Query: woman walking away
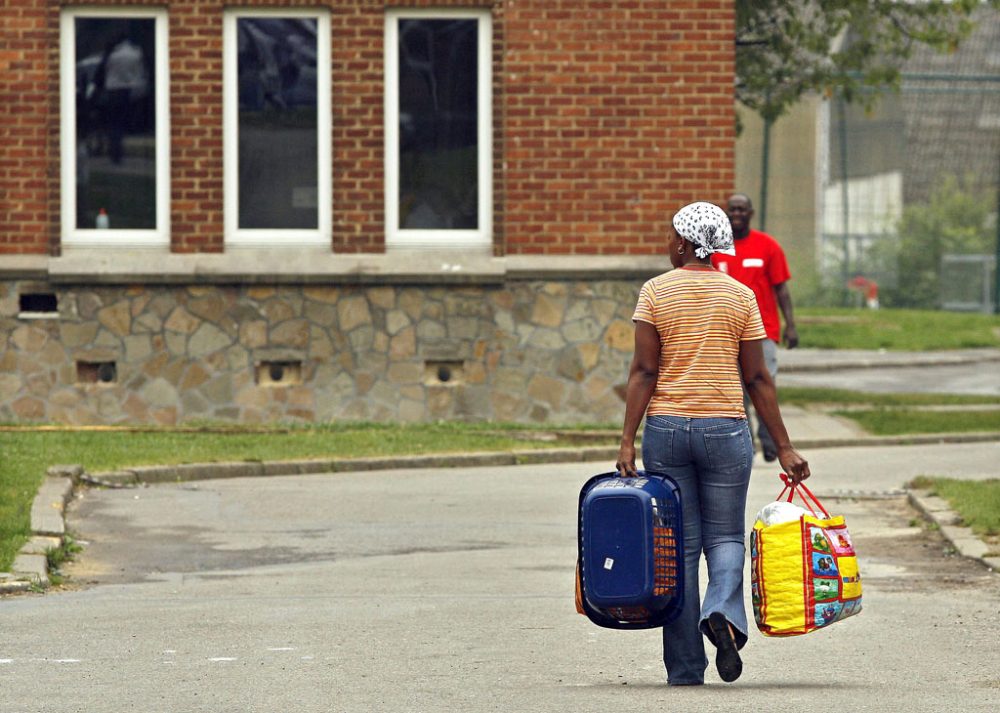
x: 696, y: 331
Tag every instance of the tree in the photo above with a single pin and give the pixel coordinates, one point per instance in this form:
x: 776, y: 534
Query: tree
x: 787, y: 48
x: 957, y: 219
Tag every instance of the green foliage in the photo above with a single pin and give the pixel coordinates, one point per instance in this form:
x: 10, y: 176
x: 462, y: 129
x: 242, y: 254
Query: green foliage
x: 58, y: 556
x: 976, y: 501
x: 786, y: 48
x: 895, y: 329
x: 958, y: 219
x: 811, y: 396
x: 896, y: 422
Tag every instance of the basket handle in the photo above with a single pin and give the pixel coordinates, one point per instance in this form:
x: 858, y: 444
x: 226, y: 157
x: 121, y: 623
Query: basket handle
x: 805, y: 495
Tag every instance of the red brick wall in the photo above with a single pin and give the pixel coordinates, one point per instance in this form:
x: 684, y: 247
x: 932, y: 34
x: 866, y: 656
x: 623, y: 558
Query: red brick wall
x: 29, y: 129
x: 615, y: 115
x: 608, y: 115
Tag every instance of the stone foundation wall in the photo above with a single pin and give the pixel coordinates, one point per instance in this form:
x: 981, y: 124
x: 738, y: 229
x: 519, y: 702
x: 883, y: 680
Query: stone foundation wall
x: 520, y: 350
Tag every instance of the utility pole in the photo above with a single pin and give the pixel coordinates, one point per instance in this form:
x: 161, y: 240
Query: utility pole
x: 765, y: 166
x: 996, y: 264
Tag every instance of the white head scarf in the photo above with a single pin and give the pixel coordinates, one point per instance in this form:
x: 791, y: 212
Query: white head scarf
x: 707, y: 226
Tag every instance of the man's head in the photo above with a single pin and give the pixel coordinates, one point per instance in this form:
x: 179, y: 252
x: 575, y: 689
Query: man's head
x: 740, y: 211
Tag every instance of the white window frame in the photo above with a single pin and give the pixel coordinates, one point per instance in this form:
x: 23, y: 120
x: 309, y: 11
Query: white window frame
x: 71, y: 235
x: 321, y: 236
x: 403, y: 238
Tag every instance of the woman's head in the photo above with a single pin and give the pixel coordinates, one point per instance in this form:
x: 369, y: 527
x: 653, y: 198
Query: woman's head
x: 707, y: 227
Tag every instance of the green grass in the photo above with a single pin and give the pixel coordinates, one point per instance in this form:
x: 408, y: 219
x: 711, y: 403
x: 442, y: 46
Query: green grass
x: 895, y: 329
x: 808, y: 396
x: 58, y: 556
x: 977, y: 502
x: 27, y: 454
x: 895, y: 422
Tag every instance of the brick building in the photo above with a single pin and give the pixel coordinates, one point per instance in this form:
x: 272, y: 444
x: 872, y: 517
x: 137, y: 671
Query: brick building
x: 343, y: 209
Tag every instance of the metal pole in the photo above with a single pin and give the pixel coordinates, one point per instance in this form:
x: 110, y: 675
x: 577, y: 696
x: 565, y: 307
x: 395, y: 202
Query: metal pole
x: 765, y: 163
x: 996, y: 265
x: 845, y: 197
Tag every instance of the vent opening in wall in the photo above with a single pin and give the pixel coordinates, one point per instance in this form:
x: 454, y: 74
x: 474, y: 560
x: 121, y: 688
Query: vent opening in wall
x: 446, y: 373
x: 38, y: 304
x: 279, y: 373
x: 96, y: 372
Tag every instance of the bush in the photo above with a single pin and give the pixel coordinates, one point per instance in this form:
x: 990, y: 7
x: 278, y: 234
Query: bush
x: 957, y: 219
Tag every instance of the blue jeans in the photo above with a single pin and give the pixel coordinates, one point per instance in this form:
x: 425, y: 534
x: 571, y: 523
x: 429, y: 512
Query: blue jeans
x: 710, y: 460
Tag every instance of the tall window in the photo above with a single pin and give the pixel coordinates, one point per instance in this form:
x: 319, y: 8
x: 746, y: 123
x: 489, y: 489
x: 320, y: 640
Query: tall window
x: 114, y: 127
x: 438, y: 129
x: 277, y: 127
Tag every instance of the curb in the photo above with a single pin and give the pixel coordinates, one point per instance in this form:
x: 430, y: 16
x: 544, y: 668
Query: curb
x: 148, y: 475
x: 30, y: 569
x: 894, y: 360
x: 963, y: 539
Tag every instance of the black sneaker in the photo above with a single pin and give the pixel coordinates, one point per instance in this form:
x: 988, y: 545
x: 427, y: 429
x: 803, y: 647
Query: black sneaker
x: 727, y: 658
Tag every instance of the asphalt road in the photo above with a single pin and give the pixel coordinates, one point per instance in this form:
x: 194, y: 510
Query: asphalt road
x: 452, y: 590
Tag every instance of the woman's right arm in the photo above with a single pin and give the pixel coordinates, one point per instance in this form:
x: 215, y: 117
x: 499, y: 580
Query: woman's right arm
x: 760, y: 386
x: 642, y: 377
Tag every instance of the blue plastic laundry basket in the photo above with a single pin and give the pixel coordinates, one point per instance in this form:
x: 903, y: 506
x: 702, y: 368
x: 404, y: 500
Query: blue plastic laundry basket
x: 630, y: 545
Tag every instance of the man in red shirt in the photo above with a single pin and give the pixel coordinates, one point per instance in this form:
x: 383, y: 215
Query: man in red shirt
x: 760, y: 264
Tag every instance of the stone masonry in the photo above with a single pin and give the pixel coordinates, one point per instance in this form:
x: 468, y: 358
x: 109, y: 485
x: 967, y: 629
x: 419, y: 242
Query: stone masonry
x: 522, y: 351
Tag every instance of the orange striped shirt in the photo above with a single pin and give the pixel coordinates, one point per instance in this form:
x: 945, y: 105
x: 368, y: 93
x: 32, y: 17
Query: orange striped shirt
x: 701, y: 316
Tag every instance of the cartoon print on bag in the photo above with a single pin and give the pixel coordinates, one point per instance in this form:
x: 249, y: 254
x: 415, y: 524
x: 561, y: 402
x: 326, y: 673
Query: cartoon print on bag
x: 841, y: 540
x: 819, y: 541
x: 824, y: 565
x: 850, y: 608
x: 825, y: 589
x: 827, y: 613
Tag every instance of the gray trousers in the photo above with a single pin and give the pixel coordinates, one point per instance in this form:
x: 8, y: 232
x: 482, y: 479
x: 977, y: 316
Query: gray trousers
x: 771, y: 362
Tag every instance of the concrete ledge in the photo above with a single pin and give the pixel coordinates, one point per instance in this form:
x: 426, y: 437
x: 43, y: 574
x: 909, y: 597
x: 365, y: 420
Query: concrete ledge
x: 40, y: 545
x: 268, y: 266
x: 149, y: 475
x: 48, y: 524
x: 24, y: 267
x: 34, y: 568
x: 48, y: 506
x: 10, y: 585
x: 963, y: 539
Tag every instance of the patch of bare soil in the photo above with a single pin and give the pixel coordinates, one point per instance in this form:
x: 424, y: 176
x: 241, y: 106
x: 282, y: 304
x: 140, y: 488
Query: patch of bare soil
x: 910, y: 554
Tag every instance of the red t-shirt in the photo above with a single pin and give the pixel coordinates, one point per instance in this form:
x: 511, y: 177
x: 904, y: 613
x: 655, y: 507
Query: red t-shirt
x: 760, y: 265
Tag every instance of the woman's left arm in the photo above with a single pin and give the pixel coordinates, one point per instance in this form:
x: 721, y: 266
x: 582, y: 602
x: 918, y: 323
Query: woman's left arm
x: 642, y: 377
x: 760, y: 386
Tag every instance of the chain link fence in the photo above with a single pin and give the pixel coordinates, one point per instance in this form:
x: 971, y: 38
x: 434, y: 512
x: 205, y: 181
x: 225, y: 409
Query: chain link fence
x: 911, y: 197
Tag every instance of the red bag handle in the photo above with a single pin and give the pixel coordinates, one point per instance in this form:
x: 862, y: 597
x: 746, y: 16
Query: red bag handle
x: 803, y: 491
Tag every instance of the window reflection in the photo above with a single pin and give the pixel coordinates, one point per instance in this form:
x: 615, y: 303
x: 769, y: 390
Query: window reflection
x: 115, y: 123
x: 278, y: 142
x: 438, y: 124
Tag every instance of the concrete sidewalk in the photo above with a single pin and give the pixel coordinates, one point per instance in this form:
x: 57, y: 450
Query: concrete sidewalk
x: 806, y: 360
